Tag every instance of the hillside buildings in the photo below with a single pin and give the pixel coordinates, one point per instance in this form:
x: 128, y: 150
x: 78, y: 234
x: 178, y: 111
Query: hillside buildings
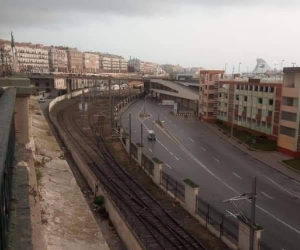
x: 58, y: 60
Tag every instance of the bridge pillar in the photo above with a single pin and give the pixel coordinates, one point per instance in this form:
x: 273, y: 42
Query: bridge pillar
x: 158, y: 167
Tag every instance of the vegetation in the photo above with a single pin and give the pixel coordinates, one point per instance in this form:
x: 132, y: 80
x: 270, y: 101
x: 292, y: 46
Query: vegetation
x: 294, y: 163
x: 258, y: 142
x: 38, y: 175
x: 190, y: 183
x: 99, y: 200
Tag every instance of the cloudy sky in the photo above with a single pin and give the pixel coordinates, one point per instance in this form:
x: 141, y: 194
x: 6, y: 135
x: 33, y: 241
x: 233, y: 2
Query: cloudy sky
x: 206, y: 33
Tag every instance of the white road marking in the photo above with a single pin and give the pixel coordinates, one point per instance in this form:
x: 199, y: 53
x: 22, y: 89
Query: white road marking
x: 237, y: 176
x: 177, y: 158
x: 150, y: 150
x: 203, y: 149
x: 282, y: 188
x: 268, y: 196
x: 86, y: 128
x: 295, y: 181
x: 191, y: 139
x: 171, y: 153
x: 168, y: 166
x: 217, y: 160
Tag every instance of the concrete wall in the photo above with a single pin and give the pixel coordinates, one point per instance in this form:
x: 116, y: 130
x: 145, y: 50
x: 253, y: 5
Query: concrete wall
x: 22, y: 119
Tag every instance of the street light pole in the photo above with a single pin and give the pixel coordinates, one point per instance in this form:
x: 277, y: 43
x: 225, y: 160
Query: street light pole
x: 129, y: 137
x: 253, y: 207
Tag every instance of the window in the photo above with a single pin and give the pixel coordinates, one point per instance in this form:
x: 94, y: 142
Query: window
x: 289, y: 101
x: 237, y: 97
x: 288, y: 116
x: 245, y: 98
x: 238, y: 87
x: 256, y: 88
x: 261, y: 89
x: 271, y: 89
x: 271, y: 101
x: 270, y: 113
x: 260, y: 100
x: 287, y: 131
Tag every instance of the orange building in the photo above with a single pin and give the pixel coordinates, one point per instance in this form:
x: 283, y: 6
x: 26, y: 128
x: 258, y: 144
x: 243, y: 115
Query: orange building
x: 208, y: 94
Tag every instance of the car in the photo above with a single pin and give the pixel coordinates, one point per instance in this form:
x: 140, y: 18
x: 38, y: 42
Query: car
x: 151, y: 135
x: 42, y: 100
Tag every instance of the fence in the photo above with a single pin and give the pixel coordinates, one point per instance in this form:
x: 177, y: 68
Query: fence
x: 7, y: 147
x: 226, y: 225
x: 173, y: 186
x: 147, y: 164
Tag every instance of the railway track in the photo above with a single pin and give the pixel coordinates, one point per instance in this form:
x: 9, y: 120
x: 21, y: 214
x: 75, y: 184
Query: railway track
x: 153, y: 226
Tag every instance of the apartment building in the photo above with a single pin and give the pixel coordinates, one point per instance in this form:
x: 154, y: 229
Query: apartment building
x: 75, y: 60
x: 91, y: 63
x: 123, y: 65
x: 58, y: 60
x: 208, y: 94
x: 143, y: 67
x: 252, y: 104
x: 32, y: 58
x: 289, y: 133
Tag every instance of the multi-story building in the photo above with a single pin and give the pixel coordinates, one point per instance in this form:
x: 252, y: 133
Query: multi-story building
x: 208, y: 94
x: 75, y: 61
x: 5, y: 57
x: 32, y: 58
x: 58, y: 60
x: 105, y: 64
x: 91, y: 62
x: 251, y: 104
x: 289, y: 132
x: 123, y: 65
x: 142, y: 67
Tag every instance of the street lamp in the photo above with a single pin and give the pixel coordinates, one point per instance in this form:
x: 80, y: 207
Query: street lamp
x: 240, y: 68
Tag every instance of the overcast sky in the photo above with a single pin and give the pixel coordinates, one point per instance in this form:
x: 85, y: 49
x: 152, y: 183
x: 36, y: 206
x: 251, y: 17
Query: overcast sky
x: 205, y: 33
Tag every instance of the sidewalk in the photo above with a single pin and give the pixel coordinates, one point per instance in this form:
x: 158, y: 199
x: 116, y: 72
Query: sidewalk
x: 272, y: 159
x: 67, y: 222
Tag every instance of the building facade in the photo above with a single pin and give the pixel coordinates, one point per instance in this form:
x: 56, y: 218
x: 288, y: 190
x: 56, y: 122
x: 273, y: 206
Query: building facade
x: 32, y: 58
x: 252, y: 104
x: 58, y: 60
x: 75, y: 61
x: 208, y: 94
x: 91, y: 63
x: 289, y: 133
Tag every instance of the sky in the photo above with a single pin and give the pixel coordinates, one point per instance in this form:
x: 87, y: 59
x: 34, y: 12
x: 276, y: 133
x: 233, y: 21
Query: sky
x: 192, y: 33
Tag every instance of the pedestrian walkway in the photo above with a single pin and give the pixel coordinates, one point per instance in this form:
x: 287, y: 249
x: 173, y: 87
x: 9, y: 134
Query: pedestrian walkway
x: 272, y: 159
x: 67, y: 222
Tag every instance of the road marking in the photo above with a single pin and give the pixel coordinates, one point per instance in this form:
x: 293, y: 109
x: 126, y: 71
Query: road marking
x: 237, y: 176
x: 282, y: 188
x: 217, y: 160
x: 168, y: 166
x: 171, y: 153
x: 191, y: 139
x: 295, y: 181
x: 150, y: 150
x: 203, y: 149
x: 86, y: 128
x: 268, y: 196
x: 177, y: 158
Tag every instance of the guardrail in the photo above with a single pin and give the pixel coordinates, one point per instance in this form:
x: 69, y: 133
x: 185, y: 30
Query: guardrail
x: 7, y: 150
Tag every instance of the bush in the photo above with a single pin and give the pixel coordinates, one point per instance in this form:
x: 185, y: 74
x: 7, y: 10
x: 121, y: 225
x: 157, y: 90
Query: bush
x: 99, y: 200
x: 190, y: 183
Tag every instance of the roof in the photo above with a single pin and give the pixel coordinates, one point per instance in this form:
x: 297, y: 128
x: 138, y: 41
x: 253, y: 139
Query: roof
x: 291, y: 70
x: 182, y: 91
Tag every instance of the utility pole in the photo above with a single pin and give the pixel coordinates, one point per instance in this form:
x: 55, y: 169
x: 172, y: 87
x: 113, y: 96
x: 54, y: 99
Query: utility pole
x: 110, y: 105
x: 129, y: 137
x: 253, y: 207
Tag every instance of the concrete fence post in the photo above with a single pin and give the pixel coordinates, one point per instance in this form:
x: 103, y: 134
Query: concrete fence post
x: 191, y: 192
x: 158, y: 168
x: 127, y: 145
x: 121, y: 133
x: 244, y: 236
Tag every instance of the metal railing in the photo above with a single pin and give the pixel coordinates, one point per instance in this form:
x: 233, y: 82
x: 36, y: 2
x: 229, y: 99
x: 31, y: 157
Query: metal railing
x: 175, y: 187
x: 7, y: 149
x: 227, y: 226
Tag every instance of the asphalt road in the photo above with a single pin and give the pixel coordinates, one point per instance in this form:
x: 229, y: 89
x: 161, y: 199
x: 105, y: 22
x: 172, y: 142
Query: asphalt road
x: 222, y: 171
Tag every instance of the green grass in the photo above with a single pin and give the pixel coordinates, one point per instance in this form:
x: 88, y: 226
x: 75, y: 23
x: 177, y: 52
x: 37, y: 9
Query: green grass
x: 39, y: 175
x: 294, y: 163
x: 257, y: 142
